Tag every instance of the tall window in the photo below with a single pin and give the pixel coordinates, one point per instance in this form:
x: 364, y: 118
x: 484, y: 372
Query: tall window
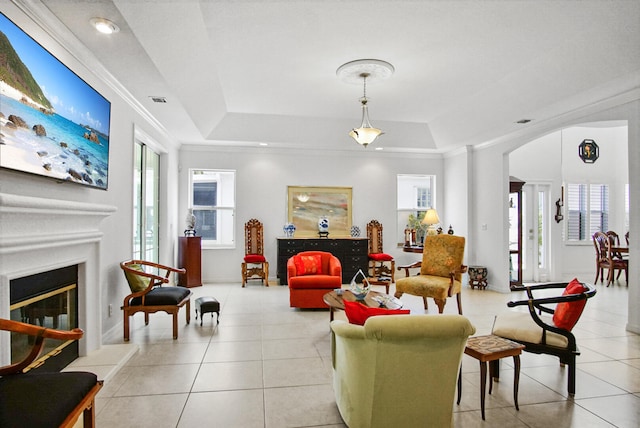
x: 145, y: 203
x: 416, y: 194
x: 213, y: 198
x: 588, y: 206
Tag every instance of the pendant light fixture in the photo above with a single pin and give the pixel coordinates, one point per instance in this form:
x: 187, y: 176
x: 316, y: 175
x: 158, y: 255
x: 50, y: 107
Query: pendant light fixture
x: 365, y: 70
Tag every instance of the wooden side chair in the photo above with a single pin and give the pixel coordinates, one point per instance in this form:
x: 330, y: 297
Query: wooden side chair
x: 543, y: 334
x: 606, y: 258
x: 148, y: 294
x: 254, y: 265
x: 29, y: 398
x: 440, y: 272
x: 382, y: 266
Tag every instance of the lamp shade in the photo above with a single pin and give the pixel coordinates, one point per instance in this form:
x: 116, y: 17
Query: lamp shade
x: 431, y: 217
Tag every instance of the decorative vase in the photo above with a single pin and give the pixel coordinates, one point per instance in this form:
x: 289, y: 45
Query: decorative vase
x: 450, y: 231
x: 289, y: 229
x: 323, y: 224
x: 355, y: 231
x: 191, y: 223
x: 359, y: 290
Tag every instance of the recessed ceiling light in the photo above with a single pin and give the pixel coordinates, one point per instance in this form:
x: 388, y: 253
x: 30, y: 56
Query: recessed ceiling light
x: 379, y: 148
x: 264, y: 144
x: 104, y: 25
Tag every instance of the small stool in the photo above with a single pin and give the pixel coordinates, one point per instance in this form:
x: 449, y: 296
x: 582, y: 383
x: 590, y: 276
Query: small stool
x: 207, y: 304
x: 490, y: 349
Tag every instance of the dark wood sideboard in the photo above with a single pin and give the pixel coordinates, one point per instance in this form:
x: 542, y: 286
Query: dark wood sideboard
x: 352, y: 253
x: 190, y: 258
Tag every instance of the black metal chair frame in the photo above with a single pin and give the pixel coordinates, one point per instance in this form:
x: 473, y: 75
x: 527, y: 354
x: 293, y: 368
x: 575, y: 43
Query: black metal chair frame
x: 566, y: 355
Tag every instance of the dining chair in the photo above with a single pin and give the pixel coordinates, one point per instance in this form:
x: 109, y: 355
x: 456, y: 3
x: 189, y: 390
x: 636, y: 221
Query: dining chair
x: 606, y: 259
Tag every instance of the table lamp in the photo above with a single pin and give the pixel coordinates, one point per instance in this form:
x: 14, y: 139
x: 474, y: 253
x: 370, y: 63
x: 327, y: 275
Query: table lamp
x: 431, y: 219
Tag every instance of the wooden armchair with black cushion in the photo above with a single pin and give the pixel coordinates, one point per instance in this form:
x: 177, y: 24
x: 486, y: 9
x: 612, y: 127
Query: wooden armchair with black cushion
x: 44, y: 399
x: 149, y: 296
x: 543, y: 334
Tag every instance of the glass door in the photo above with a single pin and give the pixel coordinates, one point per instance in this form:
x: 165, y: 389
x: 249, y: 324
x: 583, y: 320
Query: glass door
x: 535, y: 218
x: 145, y: 205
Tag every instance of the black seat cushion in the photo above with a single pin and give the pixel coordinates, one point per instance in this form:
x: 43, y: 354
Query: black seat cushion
x: 162, y: 296
x: 41, y: 400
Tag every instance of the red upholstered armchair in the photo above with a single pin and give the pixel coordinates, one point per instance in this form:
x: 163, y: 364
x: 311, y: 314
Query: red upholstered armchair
x: 312, y: 274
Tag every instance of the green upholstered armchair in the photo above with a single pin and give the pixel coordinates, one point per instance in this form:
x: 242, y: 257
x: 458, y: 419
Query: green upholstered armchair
x: 398, y: 370
x: 440, y: 273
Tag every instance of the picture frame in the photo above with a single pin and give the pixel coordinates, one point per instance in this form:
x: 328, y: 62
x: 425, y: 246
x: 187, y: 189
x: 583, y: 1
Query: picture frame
x: 307, y: 204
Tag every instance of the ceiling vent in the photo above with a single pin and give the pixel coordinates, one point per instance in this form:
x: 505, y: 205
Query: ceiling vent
x: 523, y: 121
x: 161, y: 100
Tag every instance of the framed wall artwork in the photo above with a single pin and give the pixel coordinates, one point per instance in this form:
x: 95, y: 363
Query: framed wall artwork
x: 306, y: 205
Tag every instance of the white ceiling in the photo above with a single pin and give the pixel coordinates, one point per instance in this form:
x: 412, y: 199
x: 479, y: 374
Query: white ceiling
x: 243, y: 72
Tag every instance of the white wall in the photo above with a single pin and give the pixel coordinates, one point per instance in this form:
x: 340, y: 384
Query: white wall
x: 116, y: 244
x: 262, y: 177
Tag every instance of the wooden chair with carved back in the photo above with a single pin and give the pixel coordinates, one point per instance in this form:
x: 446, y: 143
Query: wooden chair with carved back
x: 382, y: 266
x: 254, y: 264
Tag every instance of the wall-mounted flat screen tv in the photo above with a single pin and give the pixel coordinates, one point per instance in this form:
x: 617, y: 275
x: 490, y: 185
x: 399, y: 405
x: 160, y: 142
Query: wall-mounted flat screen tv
x: 52, y: 123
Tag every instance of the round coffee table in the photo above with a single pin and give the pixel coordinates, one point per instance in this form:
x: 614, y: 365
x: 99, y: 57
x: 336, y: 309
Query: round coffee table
x: 335, y: 300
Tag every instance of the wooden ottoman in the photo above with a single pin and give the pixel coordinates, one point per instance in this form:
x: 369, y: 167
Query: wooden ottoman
x: 207, y: 304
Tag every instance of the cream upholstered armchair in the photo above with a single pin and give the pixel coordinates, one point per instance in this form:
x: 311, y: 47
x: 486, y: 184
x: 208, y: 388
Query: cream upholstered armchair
x: 440, y: 272
x: 398, y: 370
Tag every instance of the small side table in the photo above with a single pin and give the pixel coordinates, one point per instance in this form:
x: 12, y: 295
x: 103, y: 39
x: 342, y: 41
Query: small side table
x: 490, y: 349
x: 477, y: 277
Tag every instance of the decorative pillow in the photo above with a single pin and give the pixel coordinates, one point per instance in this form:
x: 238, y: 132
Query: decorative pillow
x: 357, y: 313
x: 254, y: 258
x: 308, y: 265
x: 567, y: 314
x: 136, y: 282
x: 380, y: 257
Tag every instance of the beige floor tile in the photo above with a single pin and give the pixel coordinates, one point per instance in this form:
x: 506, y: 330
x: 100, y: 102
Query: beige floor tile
x: 295, y: 372
x: 565, y: 414
x: 250, y: 350
x: 289, y: 348
x: 302, y: 406
x: 229, y: 409
x: 145, y: 411
x: 623, y: 411
x: 161, y: 379
x: 616, y: 373
x: 229, y: 376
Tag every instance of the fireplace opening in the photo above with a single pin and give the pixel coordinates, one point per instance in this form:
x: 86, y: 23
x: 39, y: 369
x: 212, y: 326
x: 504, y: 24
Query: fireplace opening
x: 47, y: 299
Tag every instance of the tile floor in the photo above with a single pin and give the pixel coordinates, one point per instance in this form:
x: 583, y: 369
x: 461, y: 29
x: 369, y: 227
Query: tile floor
x: 268, y: 365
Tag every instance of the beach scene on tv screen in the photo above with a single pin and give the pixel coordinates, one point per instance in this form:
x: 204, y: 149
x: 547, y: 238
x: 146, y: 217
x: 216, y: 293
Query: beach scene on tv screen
x: 52, y: 123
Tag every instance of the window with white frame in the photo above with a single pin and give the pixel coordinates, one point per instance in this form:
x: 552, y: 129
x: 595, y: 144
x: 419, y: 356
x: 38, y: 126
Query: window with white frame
x: 212, y: 196
x: 415, y: 195
x: 588, y: 210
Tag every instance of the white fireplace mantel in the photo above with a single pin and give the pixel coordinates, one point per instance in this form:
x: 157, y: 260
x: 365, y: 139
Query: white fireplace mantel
x: 40, y: 234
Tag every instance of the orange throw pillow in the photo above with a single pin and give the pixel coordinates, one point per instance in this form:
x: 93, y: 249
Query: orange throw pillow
x: 357, y: 313
x: 567, y: 314
x: 308, y: 265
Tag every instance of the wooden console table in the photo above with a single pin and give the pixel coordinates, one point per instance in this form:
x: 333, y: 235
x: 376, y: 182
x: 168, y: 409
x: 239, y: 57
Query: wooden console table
x: 352, y: 253
x: 190, y: 258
